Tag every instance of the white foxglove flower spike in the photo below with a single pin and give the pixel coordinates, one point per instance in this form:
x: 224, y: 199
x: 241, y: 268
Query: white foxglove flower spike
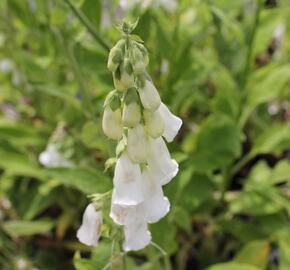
x: 90, y: 230
x: 172, y: 123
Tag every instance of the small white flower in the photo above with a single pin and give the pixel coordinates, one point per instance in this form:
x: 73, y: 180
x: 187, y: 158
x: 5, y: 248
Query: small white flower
x: 154, y: 123
x: 123, y: 215
x: 52, y: 158
x: 127, y: 182
x: 137, y: 235
x: 163, y: 167
x: 137, y: 145
x: 112, y: 123
x: 149, y: 96
x: 90, y: 230
x: 172, y: 123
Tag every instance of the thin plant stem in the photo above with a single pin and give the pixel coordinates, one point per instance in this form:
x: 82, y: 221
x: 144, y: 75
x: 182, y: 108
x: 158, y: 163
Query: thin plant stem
x: 85, y: 21
x: 167, y: 263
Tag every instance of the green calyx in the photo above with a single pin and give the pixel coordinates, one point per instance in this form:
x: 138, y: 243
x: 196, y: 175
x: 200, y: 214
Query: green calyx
x: 113, y: 100
x: 131, y: 96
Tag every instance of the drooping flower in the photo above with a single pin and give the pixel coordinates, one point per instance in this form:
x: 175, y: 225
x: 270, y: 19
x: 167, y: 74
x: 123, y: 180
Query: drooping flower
x: 127, y: 182
x: 163, y: 167
x: 137, y: 235
x: 131, y: 114
x: 90, y: 230
x: 149, y: 96
x: 172, y: 123
x: 52, y: 158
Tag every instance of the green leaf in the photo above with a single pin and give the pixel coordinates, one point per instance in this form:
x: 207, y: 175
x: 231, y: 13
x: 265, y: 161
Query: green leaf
x: 254, y: 253
x: 92, y: 9
x: 84, y: 179
x: 217, y: 143
x: 274, y: 139
x: 233, y: 266
x: 27, y: 228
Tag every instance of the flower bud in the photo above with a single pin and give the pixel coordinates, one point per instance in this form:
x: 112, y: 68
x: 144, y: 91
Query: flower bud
x: 149, y: 96
x: 127, y: 76
x: 131, y: 114
x: 137, y: 60
x: 137, y: 144
x: 118, y: 83
x: 144, y: 53
x: 154, y: 123
x: 112, y: 123
x: 115, y: 59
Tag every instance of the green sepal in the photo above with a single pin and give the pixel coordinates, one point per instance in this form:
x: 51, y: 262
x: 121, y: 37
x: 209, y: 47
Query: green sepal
x: 121, y: 147
x: 131, y: 96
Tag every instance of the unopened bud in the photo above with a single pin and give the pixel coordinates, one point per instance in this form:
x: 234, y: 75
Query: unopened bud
x: 144, y: 53
x: 115, y: 59
x: 137, y: 144
x: 137, y: 60
x: 112, y: 123
x: 149, y: 96
x: 117, y: 81
x: 154, y: 123
x: 131, y: 114
x: 127, y: 76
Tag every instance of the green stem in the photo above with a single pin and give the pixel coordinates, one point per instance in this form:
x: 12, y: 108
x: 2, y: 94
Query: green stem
x: 251, y: 44
x: 239, y: 165
x: 167, y: 263
x: 85, y: 21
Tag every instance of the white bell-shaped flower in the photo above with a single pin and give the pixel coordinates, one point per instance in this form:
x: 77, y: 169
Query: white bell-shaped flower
x: 149, y: 96
x: 127, y: 182
x: 131, y: 114
x: 137, y: 144
x: 112, y: 123
x: 172, y: 123
x: 52, y: 158
x: 123, y: 215
x: 90, y: 230
x: 155, y: 205
x: 162, y: 166
x: 154, y: 123
x: 137, y: 235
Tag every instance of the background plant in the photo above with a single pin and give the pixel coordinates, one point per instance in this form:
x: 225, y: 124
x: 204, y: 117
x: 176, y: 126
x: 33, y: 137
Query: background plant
x: 223, y: 66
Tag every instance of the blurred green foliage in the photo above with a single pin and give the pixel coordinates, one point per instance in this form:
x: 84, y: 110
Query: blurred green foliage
x: 223, y: 66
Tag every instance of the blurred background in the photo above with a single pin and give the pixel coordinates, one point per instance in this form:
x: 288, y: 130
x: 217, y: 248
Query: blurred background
x: 222, y: 66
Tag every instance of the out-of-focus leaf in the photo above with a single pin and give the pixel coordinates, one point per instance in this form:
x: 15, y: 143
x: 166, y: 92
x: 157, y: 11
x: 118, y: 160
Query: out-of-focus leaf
x: 233, y: 266
x: 254, y: 253
x: 27, y: 228
x: 84, y: 179
x: 217, y: 144
x: 275, y: 139
x: 92, y: 9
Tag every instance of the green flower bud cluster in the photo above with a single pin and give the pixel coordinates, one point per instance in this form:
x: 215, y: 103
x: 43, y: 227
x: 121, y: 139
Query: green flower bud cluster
x: 133, y: 104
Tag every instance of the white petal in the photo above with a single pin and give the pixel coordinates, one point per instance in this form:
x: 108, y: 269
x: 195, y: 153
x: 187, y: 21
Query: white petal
x: 122, y: 215
x: 155, y: 205
x: 137, y: 236
x: 131, y: 114
x: 89, y: 232
x: 163, y: 167
x: 127, y: 182
x: 137, y: 145
x: 112, y: 123
x: 149, y: 96
x: 172, y: 123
